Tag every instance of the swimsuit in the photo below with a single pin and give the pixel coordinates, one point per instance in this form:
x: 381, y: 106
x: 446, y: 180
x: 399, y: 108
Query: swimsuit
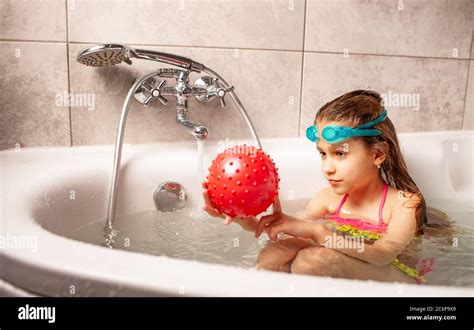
x: 370, y: 232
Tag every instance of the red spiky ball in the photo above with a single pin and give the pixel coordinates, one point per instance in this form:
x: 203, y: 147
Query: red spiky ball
x: 242, y: 181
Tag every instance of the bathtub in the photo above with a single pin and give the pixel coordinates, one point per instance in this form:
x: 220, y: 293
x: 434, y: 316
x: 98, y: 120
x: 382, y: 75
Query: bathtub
x: 48, y: 192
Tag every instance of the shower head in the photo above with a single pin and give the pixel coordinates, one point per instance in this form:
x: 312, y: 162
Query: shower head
x: 102, y: 55
x: 111, y: 54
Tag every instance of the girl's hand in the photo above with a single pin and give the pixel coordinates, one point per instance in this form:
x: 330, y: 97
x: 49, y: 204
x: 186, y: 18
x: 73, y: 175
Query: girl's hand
x: 268, y: 221
x: 295, y: 227
x: 211, y: 209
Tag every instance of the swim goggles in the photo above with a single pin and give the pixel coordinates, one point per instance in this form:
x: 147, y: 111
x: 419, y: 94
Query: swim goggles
x: 336, y: 134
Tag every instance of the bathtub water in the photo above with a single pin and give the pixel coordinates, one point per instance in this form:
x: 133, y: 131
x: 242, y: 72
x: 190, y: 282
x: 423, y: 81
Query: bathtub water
x: 191, y: 234
x: 188, y: 234
x: 451, y: 245
x: 56, y: 194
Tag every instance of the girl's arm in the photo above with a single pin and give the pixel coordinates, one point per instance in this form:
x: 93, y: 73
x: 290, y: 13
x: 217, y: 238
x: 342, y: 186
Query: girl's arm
x: 315, y: 209
x: 400, y: 232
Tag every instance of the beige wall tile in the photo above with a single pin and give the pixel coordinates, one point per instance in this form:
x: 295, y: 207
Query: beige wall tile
x: 33, y: 20
x: 422, y: 28
x: 32, y: 76
x: 267, y: 82
x: 468, y: 122
x: 472, y: 44
x: 271, y: 24
x: 440, y: 84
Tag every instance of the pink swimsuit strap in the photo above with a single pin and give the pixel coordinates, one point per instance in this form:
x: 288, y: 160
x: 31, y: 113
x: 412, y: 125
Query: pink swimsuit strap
x: 360, y: 224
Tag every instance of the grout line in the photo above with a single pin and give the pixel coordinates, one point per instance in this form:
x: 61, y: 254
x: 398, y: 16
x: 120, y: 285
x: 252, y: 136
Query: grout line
x: 68, y: 70
x: 302, y: 69
x: 251, y: 49
x: 389, y: 55
x: 467, y: 82
x: 38, y: 41
x: 472, y: 40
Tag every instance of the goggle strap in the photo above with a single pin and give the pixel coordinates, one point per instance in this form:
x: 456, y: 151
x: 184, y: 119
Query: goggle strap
x: 376, y: 121
x: 365, y: 132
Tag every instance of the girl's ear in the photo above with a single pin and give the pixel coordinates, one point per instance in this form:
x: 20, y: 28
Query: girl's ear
x: 379, y: 153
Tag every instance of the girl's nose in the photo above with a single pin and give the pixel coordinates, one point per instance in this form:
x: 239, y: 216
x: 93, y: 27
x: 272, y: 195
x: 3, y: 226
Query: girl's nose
x: 328, y: 166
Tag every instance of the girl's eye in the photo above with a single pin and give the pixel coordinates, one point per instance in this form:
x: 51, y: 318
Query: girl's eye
x: 340, y: 153
x: 322, y: 154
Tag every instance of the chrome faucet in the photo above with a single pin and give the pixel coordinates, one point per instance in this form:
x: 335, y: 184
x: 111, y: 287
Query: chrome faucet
x: 204, y: 90
x: 151, y: 87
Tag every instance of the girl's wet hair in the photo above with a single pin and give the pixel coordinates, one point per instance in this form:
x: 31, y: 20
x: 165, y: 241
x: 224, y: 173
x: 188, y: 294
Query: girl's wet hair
x: 361, y: 106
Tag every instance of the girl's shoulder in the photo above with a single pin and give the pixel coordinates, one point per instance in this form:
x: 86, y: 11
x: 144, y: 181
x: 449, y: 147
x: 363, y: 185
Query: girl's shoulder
x: 323, y: 202
x: 403, y: 198
x: 398, y: 201
x: 318, y: 205
x: 392, y: 201
x: 326, y: 201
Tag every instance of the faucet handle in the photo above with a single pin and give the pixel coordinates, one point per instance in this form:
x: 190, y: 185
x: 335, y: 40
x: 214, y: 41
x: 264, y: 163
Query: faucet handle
x: 221, y: 92
x: 156, y: 93
x: 214, y: 89
x: 149, y: 91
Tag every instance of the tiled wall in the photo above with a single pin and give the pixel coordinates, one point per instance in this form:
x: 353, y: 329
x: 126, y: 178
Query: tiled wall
x: 285, y: 58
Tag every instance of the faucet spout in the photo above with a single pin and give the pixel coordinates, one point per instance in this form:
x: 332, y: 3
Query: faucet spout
x: 198, y: 131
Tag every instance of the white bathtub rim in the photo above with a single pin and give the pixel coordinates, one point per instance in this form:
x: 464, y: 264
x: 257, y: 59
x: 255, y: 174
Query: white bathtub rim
x: 216, y: 281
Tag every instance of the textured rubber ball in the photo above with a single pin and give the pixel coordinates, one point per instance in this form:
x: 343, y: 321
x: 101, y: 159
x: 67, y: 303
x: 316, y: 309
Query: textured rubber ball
x: 245, y: 174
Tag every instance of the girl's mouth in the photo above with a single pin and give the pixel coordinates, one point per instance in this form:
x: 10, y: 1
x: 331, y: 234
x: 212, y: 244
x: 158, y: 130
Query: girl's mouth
x: 333, y: 182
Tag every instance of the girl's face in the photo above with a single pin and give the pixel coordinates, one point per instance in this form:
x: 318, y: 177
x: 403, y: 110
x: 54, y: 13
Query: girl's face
x: 348, y: 165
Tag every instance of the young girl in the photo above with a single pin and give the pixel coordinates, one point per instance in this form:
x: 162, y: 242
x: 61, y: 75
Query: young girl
x: 371, y: 200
